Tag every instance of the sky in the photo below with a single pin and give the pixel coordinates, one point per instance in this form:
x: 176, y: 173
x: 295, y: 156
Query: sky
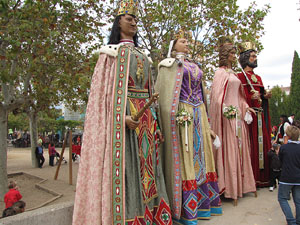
x: 281, y: 39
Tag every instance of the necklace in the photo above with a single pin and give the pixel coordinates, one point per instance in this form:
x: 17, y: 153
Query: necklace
x: 139, y: 59
x: 127, y: 41
x: 253, y: 77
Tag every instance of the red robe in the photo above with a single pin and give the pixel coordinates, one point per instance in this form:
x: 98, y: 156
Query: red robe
x: 261, y: 175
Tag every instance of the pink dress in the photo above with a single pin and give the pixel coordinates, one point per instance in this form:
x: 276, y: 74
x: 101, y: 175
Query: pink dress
x: 233, y: 160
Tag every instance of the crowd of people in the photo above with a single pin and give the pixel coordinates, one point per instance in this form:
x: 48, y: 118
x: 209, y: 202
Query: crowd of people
x: 39, y: 152
x: 169, y: 161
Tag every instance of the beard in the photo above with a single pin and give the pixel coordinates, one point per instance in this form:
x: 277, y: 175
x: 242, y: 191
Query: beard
x: 252, y: 65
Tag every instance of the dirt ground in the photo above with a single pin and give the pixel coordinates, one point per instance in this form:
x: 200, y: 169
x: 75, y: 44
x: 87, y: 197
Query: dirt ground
x: 19, y: 160
x: 263, y: 210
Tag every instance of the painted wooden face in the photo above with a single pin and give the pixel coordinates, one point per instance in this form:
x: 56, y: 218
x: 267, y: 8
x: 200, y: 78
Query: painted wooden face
x: 128, y: 25
x: 232, y: 56
x: 252, y: 60
x: 182, y: 45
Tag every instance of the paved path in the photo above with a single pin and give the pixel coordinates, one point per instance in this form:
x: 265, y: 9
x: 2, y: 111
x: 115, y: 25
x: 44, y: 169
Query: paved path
x: 263, y: 210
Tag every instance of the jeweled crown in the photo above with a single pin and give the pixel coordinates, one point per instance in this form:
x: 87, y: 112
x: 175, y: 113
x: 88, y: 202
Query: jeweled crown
x: 225, y: 40
x: 243, y: 47
x: 128, y: 7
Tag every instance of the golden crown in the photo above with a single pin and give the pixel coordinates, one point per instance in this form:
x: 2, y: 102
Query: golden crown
x: 225, y: 40
x: 183, y: 34
x: 243, y: 47
x: 128, y: 7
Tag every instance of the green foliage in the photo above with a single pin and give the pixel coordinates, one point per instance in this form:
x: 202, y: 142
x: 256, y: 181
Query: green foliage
x: 278, y: 105
x: 207, y: 19
x: 294, y: 98
x: 72, y: 124
x: 18, y: 122
x: 47, y: 122
x: 46, y: 50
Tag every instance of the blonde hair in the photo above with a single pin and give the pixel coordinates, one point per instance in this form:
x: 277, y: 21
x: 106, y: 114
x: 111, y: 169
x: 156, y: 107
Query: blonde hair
x: 293, y: 132
x: 12, y: 184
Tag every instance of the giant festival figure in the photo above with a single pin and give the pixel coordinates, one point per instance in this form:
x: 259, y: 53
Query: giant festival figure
x: 257, y: 98
x: 120, y: 178
x: 228, y: 112
x: 189, y: 166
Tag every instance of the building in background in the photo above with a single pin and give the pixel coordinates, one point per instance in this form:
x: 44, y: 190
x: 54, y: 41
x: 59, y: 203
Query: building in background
x: 69, y: 114
x: 285, y: 89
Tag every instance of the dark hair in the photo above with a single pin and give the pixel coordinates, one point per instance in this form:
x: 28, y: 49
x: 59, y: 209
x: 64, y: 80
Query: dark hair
x: 8, y: 212
x: 173, y: 50
x: 224, y: 51
x: 19, y: 206
x: 174, y: 43
x: 296, y: 123
x: 292, y: 114
x: 285, y: 118
x: 115, y: 34
x: 244, y: 58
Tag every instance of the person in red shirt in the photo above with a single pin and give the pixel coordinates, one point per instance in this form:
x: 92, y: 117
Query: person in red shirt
x: 52, y: 152
x: 13, y: 195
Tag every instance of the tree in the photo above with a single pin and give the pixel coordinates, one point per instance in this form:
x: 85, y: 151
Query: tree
x: 277, y: 105
x: 208, y: 20
x: 294, y: 98
x: 41, y: 43
x: 42, y: 40
x: 18, y: 121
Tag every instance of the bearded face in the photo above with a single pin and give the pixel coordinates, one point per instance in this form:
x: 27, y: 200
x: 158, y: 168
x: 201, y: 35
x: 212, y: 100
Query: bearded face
x: 252, y: 62
x: 248, y: 58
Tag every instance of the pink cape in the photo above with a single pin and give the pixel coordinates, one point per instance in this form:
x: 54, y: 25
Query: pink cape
x: 233, y: 165
x: 94, y: 174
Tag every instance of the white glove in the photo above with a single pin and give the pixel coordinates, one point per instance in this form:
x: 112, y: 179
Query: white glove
x: 217, y: 142
x: 248, y: 118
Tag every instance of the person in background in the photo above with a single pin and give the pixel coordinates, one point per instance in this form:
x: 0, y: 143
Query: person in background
x: 8, y: 212
x: 289, y: 155
x: 52, y: 152
x: 281, y: 136
x: 39, y: 152
x: 291, y: 118
x: 296, y: 123
x: 274, y: 133
x: 275, y: 166
x: 13, y: 195
x: 19, y: 206
x: 40, y: 140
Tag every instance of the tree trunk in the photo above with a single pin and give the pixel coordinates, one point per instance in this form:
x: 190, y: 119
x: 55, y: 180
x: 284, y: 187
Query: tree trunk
x: 3, y: 152
x: 33, y: 137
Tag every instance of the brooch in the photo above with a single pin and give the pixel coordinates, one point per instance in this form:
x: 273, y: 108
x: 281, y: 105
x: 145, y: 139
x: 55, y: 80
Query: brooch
x: 253, y: 78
